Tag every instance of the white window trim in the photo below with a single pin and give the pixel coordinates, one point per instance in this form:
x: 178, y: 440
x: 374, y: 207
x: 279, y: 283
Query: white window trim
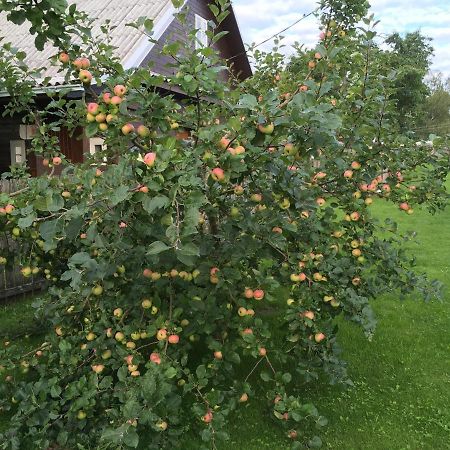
x: 201, y: 25
x: 94, y: 142
x: 18, y: 152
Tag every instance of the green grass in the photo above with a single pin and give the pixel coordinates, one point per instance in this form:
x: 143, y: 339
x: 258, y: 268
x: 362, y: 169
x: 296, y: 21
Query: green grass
x: 401, y: 396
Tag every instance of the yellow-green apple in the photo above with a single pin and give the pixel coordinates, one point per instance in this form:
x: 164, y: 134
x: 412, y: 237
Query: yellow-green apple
x: 266, y: 129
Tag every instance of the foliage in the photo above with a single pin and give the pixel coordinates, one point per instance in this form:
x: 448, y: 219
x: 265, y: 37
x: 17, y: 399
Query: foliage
x: 168, y: 251
x: 436, y: 110
x: 411, y: 57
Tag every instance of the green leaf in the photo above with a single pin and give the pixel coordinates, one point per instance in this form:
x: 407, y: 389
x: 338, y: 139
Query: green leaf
x: 131, y: 438
x: 171, y: 372
x: 157, y: 247
x: 265, y: 376
x: 287, y: 377
x: 189, y: 250
x: 119, y: 195
x: 25, y: 222
x: 152, y: 204
x: 201, y: 371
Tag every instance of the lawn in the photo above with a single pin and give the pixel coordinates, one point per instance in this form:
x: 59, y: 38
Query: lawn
x: 401, y: 395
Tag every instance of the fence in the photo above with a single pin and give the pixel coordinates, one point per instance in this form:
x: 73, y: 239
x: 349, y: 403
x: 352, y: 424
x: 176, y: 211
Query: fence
x: 12, y: 283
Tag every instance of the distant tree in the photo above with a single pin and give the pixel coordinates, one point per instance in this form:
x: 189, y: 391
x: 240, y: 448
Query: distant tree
x: 436, y: 114
x: 411, y: 57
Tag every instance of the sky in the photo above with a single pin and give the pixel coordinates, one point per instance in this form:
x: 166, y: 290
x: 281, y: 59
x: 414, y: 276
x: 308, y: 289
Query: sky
x: 259, y: 19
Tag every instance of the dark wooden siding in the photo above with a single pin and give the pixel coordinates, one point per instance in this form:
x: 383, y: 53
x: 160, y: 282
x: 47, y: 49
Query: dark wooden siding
x: 9, y: 131
x: 229, y: 47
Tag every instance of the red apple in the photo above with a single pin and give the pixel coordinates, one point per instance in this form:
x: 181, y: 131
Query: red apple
x: 218, y: 174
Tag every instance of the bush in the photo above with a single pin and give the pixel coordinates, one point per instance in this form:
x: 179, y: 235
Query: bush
x: 210, y: 246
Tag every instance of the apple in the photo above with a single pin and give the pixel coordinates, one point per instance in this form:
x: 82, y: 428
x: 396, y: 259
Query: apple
x: 277, y: 230
x: 81, y: 63
x: 308, y: 314
x: 404, y: 206
x: 208, y: 417
x: 120, y: 90
x: 256, y: 198
x: 239, y: 150
x: 64, y: 58
x: 119, y: 336
x: 262, y: 351
x: 116, y: 100
x: 85, y: 76
x: 218, y: 174
x: 356, y: 281
x: 56, y: 161
x: 218, y: 354
x: 106, y: 97
x: 248, y: 293
x: 285, y: 204
x: 327, y: 298
x: 161, y: 335
x: 348, y: 174
x: 93, y: 108
x: 242, y: 311
x: 90, y: 336
x: 149, y: 159
x: 26, y: 271
x: 238, y: 190
x: 321, y: 201
x: 81, y: 415
x: 317, y: 276
x: 146, y: 304
x: 136, y: 335
x: 15, y: 232
x: 99, y: 118
x: 135, y: 373
x: 354, y: 216
x: 303, y: 88
x: 224, y: 143
x: 127, y: 128
x: 319, y: 337
x: 131, y: 345
x: 59, y: 331
x: 258, y: 294
x: 9, y: 209
x: 243, y: 398
x: 110, y: 118
x: 174, y: 339
x: 266, y: 129
x: 292, y: 434
x: 162, y: 425
x: 143, y: 131
x: 102, y: 126
x: 304, y: 214
x: 155, y: 358
x: 311, y: 65
x: 356, y: 252
x: 356, y: 165
x: 98, y: 368
x: 247, y: 331
x: 107, y: 354
x: 290, y: 149
x: 97, y: 290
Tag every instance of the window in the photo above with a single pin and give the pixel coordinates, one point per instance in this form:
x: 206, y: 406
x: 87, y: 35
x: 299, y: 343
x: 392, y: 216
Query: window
x: 18, y: 153
x: 96, y: 145
x: 201, y: 25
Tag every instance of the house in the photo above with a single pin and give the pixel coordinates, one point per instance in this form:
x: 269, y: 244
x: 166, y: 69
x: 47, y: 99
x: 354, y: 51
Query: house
x: 133, y: 49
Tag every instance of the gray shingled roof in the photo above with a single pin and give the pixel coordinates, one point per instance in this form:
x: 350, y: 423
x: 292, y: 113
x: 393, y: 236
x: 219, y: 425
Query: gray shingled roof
x: 119, y: 12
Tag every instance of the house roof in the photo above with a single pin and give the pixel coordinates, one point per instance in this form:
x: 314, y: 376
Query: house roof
x: 128, y: 41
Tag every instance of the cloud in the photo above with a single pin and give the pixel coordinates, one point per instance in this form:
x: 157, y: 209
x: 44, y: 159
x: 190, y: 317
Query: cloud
x: 259, y: 19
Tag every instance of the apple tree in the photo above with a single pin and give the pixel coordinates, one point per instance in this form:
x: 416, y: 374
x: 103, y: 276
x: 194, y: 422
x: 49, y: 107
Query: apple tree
x: 199, y: 260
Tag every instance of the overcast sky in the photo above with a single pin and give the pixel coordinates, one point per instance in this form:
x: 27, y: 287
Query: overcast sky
x: 260, y: 19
